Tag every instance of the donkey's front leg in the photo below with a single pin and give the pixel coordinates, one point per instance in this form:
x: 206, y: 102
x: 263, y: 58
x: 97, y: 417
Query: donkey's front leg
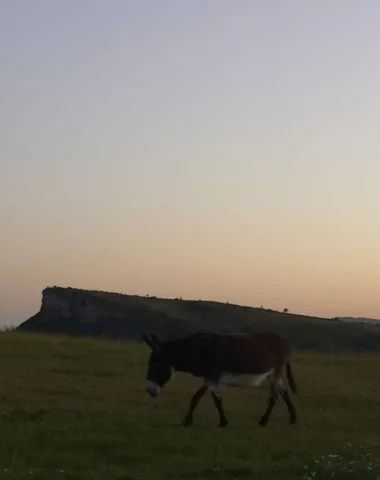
x: 193, y: 403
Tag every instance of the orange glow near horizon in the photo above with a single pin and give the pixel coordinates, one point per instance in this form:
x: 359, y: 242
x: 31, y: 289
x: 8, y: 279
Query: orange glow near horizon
x: 146, y: 157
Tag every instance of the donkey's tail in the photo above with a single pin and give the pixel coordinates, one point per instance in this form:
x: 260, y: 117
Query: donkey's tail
x: 291, y: 381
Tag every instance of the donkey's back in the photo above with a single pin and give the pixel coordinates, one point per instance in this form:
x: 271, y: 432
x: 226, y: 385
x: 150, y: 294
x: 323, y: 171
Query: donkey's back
x: 233, y: 352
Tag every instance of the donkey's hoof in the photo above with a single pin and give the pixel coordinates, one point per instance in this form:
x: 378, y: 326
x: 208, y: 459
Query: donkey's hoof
x: 292, y: 421
x: 223, y: 424
x: 187, y: 422
x: 263, y: 422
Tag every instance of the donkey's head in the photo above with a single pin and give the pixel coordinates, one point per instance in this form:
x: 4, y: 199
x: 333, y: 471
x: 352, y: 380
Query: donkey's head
x: 160, y: 370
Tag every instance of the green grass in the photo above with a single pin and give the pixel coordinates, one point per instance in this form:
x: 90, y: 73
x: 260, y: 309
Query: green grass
x: 76, y: 409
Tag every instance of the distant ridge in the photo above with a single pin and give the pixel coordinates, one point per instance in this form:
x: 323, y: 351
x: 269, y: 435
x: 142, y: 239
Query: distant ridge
x: 73, y: 311
x: 371, y: 321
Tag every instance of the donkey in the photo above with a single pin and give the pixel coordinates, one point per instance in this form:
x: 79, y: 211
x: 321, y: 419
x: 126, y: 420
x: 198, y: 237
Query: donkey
x: 223, y: 360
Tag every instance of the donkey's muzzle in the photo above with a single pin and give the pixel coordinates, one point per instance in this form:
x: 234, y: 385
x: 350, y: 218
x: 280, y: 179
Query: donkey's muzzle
x: 152, y: 388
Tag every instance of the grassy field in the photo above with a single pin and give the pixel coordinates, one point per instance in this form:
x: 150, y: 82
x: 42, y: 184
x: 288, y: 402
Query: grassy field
x: 76, y: 409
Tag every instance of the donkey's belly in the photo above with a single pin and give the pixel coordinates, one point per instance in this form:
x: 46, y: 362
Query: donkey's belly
x: 243, y: 380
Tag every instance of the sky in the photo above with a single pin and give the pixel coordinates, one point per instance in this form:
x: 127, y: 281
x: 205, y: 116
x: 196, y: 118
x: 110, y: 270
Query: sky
x: 205, y: 149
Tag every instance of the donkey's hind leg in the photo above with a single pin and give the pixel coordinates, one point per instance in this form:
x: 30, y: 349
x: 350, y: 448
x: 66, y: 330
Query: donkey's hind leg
x: 279, y: 387
x: 291, y: 408
x: 223, y: 422
x: 271, y: 403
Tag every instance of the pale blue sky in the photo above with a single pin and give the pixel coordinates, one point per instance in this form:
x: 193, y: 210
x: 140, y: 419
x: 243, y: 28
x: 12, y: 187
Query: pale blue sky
x: 214, y: 149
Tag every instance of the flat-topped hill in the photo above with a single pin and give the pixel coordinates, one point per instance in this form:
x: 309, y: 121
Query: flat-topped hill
x: 79, y: 312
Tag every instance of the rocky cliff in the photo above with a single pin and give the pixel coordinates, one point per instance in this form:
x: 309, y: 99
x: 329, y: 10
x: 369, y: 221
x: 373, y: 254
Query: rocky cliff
x: 90, y: 313
x: 93, y: 313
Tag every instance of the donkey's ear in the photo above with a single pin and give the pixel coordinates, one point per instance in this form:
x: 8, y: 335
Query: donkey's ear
x: 157, y: 343
x: 148, y: 340
x: 156, y: 340
x: 153, y: 342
